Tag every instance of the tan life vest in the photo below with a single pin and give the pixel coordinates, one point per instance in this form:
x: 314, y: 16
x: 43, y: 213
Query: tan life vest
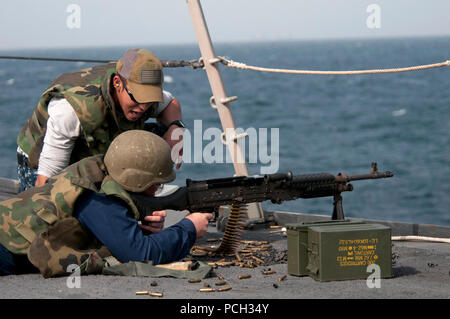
x: 89, y: 92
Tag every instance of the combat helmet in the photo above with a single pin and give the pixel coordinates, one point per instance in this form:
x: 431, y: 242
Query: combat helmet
x: 138, y: 159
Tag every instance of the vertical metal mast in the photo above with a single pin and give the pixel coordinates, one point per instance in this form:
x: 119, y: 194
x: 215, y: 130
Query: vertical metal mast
x: 220, y: 100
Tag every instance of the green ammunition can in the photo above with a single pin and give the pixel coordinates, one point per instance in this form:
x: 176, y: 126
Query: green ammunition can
x: 344, y: 252
x: 297, y: 243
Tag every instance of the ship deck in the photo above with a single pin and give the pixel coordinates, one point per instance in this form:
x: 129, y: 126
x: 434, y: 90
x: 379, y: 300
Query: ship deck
x: 420, y: 270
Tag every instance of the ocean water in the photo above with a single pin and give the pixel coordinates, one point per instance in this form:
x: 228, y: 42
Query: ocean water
x: 325, y: 123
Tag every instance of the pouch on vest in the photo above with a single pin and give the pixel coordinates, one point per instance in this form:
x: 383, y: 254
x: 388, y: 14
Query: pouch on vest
x: 65, y: 243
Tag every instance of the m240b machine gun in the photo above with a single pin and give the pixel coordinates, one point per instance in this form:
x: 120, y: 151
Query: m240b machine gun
x: 208, y: 195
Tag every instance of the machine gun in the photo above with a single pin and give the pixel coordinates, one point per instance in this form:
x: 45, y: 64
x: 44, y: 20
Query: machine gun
x: 208, y: 195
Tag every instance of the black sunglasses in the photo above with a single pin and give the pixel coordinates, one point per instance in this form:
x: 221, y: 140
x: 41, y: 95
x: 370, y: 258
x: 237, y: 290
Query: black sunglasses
x: 131, y: 95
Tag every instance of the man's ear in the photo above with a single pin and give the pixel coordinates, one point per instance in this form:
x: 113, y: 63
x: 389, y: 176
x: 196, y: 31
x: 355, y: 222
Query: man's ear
x: 116, y: 81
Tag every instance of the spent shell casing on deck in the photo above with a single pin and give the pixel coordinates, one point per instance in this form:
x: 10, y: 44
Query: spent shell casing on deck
x: 244, y: 276
x: 138, y: 293
x: 207, y: 289
x: 220, y: 277
x: 193, y: 281
x: 156, y: 294
x: 259, y: 261
x: 221, y: 283
x: 225, y: 288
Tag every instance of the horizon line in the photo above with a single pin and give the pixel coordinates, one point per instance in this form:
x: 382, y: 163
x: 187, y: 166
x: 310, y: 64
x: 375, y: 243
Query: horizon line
x: 227, y: 42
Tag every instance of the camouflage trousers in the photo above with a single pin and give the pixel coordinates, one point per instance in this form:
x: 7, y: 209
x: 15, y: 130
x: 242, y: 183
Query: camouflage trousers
x: 27, y: 176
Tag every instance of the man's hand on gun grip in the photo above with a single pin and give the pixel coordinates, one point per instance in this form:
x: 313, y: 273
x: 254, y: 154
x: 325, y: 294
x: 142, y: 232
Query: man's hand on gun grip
x: 200, y: 221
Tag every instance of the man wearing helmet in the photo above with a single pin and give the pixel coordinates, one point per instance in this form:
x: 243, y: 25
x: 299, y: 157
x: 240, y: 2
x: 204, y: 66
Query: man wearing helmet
x: 85, y: 214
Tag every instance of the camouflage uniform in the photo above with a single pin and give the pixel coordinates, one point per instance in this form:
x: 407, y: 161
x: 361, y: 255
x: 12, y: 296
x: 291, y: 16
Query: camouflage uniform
x: 39, y: 222
x: 89, y: 93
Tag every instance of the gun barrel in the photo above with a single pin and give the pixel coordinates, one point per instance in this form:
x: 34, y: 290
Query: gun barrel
x: 374, y: 175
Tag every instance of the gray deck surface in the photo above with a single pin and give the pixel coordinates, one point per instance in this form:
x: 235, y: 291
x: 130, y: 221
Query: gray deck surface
x: 420, y: 271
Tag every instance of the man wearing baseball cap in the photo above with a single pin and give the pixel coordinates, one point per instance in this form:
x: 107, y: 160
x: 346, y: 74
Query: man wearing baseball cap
x: 81, y: 112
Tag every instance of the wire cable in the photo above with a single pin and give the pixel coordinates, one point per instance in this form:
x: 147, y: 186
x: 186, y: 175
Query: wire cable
x: 166, y: 63
x: 243, y: 66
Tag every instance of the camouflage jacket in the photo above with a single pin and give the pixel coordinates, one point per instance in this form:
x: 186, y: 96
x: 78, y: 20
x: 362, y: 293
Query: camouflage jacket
x: 89, y: 93
x: 39, y: 221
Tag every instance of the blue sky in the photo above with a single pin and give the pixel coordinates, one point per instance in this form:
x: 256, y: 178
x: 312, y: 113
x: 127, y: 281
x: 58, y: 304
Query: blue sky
x: 43, y: 23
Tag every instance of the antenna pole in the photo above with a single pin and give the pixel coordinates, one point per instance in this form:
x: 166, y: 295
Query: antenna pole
x: 220, y: 100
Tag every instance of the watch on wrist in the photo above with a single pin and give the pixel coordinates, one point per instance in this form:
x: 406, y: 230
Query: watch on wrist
x: 178, y: 123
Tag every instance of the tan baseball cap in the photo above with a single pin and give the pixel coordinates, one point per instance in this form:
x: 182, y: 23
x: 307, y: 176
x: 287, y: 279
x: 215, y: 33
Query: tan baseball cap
x: 144, y: 75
